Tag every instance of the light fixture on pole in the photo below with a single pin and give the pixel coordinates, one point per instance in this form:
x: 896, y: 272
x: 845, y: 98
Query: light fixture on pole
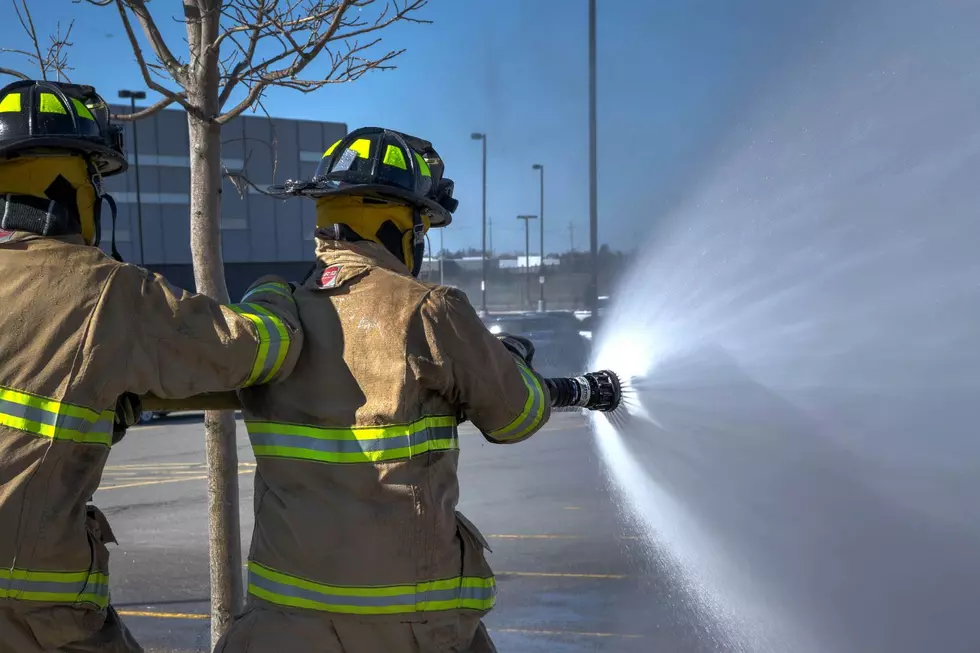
x: 483, y: 266
x: 541, y: 306
x: 527, y: 254
x: 593, y: 183
x: 132, y: 96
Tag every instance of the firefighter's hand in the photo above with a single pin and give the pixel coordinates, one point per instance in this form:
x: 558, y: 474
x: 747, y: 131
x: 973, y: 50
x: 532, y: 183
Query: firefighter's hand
x: 520, y: 347
x: 128, y: 409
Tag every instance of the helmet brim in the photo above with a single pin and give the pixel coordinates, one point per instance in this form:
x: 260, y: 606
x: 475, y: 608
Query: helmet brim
x: 438, y: 216
x: 111, y: 162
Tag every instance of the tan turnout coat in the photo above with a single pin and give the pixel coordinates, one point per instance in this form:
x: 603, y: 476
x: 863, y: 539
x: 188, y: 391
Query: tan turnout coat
x: 356, y: 485
x: 78, y: 329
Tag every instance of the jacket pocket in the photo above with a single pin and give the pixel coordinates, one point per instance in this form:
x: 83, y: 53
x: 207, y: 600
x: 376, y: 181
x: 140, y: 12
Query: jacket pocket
x: 479, y: 588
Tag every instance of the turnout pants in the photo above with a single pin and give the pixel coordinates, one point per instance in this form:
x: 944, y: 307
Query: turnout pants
x: 64, y: 629
x: 274, y: 630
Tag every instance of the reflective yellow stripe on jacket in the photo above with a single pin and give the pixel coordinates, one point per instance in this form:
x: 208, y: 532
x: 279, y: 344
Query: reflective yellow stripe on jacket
x: 53, y: 419
x: 462, y: 592
x: 55, y: 586
x: 367, y: 444
x: 534, y: 409
x: 273, y: 342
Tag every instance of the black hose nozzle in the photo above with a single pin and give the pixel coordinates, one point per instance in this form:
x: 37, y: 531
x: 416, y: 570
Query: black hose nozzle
x: 594, y: 390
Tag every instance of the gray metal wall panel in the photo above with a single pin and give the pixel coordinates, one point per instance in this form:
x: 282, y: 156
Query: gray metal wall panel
x: 273, y: 231
x: 176, y: 232
x: 287, y: 215
x: 261, y: 211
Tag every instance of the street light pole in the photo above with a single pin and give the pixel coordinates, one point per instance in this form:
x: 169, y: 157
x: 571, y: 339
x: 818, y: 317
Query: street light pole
x: 527, y: 254
x: 132, y: 96
x: 540, y: 168
x: 483, y: 267
x: 593, y: 184
x: 442, y: 255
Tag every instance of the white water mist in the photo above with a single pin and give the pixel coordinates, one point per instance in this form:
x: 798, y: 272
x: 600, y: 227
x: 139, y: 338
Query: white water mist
x: 804, y: 441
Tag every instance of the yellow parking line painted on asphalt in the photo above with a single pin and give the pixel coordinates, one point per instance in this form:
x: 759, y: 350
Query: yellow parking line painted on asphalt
x: 546, y: 574
x: 522, y: 631
x: 546, y: 536
x: 152, y: 465
x: 163, y: 615
x: 528, y: 631
x: 165, y: 480
x: 536, y: 537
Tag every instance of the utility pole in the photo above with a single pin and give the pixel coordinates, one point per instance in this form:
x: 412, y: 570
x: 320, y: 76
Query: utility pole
x: 527, y: 254
x: 593, y: 183
x: 483, y: 279
x: 490, y: 234
x: 540, y: 168
x: 132, y: 96
x: 571, y: 236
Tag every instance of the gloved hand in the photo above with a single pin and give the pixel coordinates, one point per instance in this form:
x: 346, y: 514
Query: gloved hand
x: 128, y: 409
x: 520, y: 347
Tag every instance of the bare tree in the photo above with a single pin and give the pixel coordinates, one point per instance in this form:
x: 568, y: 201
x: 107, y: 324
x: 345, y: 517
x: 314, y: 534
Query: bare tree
x: 236, y: 51
x: 50, y: 60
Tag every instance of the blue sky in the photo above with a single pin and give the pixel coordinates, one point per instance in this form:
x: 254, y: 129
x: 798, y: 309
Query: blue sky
x: 673, y: 76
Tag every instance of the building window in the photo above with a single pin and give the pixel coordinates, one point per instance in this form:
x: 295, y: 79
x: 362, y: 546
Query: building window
x: 152, y: 198
x: 307, y: 156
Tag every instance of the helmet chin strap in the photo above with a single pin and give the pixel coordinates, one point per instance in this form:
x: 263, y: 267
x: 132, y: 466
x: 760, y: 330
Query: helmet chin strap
x: 102, y: 196
x: 418, y: 245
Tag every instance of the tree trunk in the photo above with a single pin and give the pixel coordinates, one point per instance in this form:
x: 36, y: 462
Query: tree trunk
x: 224, y: 532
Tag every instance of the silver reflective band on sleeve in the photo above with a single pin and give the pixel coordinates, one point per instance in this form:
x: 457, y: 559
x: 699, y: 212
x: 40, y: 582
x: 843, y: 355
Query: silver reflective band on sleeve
x: 273, y: 342
x: 530, y: 418
x: 269, y: 287
x: 353, y: 445
x: 55, y: 586
x: 462, y: 592
x: 54, y: 419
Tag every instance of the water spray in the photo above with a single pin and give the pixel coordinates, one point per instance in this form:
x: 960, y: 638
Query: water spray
x: 600, y: 391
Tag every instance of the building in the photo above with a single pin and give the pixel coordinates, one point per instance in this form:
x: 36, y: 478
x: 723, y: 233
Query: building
x: 259, y: 235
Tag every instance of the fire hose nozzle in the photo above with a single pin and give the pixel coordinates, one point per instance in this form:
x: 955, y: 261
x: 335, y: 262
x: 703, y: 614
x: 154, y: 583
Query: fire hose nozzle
x: 600, y: 391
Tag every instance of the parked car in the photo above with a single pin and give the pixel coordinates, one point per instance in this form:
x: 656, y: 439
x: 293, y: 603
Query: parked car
x: 560, y: 347
x: 149, y: 415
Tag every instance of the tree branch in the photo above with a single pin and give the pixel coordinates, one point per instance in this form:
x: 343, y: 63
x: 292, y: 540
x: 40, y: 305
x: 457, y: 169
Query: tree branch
x: 176, y: 69
x: 13, y: 73
x: 173, y: 96
x: 148, y: 111
x: 313, y: 40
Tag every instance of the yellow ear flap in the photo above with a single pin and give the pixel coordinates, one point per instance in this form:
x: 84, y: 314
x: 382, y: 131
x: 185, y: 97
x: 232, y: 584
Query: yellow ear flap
x: 408, y: 249
x: 85, y: 200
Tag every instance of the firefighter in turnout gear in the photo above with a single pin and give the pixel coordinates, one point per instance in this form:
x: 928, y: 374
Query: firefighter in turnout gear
x: 83, y: 337
x: 358, y: 547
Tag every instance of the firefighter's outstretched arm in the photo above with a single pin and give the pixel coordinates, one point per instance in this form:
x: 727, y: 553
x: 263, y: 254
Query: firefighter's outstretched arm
x: 185, y: 345
x: 495, y: 387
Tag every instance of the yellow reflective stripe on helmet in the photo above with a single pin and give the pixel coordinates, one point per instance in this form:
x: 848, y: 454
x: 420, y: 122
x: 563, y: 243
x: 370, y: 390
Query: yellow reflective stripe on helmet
x: 461, y: 592
x: 51, y: 104
x: 395, y: 157
x: 365, y: 444
x: 10, y: 103
x: 55, y: 586
x: 83, y: 111
x: 534, y: 408
x: 54, y: 419
x: 362, y: 146
x: 423, y: 166
x: 273, y: 342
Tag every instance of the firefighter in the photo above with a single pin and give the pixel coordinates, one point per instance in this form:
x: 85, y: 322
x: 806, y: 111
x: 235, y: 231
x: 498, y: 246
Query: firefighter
x: 358, y: 547
x: 83, y: 336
